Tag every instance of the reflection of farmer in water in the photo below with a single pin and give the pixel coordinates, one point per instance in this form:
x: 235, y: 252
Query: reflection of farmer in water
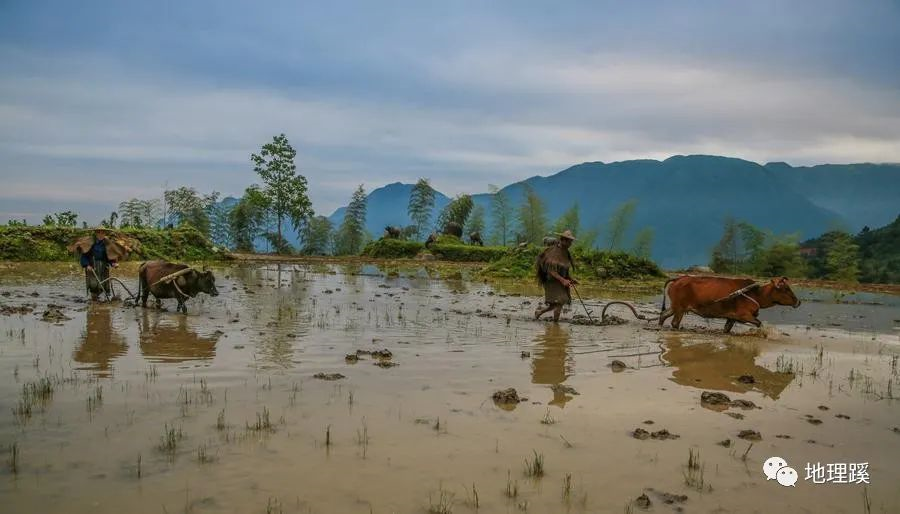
x: 553, y: 268
x: 96, y: 258
x: 100, y: 342
x: 551, y: 364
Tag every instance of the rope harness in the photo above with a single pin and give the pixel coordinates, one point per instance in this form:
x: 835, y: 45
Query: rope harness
x: 741, y: 292
x: 171, y: 278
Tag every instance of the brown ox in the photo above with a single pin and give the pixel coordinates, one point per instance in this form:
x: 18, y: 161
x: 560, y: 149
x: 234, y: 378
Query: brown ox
x: 733, y: 299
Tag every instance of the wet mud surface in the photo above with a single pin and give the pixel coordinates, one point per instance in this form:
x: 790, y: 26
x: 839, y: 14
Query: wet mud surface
x: 325, y: 388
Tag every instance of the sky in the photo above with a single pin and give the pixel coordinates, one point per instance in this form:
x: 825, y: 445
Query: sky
x: 105, y: 101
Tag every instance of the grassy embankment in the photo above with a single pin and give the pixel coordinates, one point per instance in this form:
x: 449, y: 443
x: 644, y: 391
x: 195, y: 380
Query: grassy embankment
x: 48, y: 243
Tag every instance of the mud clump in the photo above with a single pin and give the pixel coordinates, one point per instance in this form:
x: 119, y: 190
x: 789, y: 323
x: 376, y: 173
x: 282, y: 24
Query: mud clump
x: 351, y: 358
x: 378, y: 354
x: 328, y: 376
x: 525, y: 355
x: 750, y: 435
x: 508, y: 397
x: 744, y: 404
x: 54, y: 314
x: 563, y: 389
x: 663, y: 434
x: 9, y: 310
x: 746, y: 379
x: 842, y: 416
x: 712, y: 398
x: 735, y: 415
x: 640, y: 433
x: 669, y: 498
x: 385, y: 363
x: 642, y: 502
x: 617, y: 366
x: 725, y: 443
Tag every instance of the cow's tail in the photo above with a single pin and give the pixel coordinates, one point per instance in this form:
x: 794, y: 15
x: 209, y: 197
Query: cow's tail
x: 665, y: 293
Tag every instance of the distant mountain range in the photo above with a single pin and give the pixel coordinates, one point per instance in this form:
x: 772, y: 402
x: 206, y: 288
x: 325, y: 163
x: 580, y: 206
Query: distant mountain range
x: 685, y: 199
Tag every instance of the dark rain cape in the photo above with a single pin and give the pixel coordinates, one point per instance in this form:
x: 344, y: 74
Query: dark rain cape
x: 558, y: 259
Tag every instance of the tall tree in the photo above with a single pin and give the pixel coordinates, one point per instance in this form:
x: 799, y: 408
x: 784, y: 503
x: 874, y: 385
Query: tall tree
x: 317, y: 236
x: 351, y: 235
x: 643, y: 243
x: 532, y: 216
x: 187, y: 206
x: 61, y: 219
x: 842, y: 258
x: 619, y: 223
x: 726, y: 254
x: 285, y: 189
x: 569, y: 221
x: 457, y: 211
x: 249, y: 218
x: 421, y: 203
x: 476, y: 221
x: 219, y: 226
x: 501, y: 216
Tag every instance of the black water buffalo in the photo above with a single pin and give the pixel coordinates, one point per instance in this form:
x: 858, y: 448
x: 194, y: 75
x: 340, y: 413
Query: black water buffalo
x: 391, y: 232
x: 432, y: 238
x: 188, y: 283
x: 475, y: 239
x: 453, y: 229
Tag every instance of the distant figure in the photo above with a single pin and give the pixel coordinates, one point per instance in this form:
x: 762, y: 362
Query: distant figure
x: 553, y: 268
x: 453, y: 229
x: 391, y: 232
x: 475, y: 239
x: 432, y: 238
x: 96, y: 263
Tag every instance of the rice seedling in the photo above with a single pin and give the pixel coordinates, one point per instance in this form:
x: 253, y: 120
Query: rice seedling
x: 512, y: 488
x: 548, y: 419
x: 14, y: 458
x: 362, y: 438
x: 170, y: 438
x: 567, y: 488
x: 203, y: 456
x: 442, y: 503
x: 693, y: 471
x: 534, y: 467
x: 263, y: 423
x: 328, y: 436
x: 273, y: 506
x: 139, y: 459
x: 220, y: 420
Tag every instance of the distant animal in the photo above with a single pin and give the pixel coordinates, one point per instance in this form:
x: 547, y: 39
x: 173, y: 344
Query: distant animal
x: 432, y: 238
x: 475, y: 238
x: 550, y: 241
x: 391, y: 232
x: 733, y: 299
x: 453, y: 229
x: 165, y: 279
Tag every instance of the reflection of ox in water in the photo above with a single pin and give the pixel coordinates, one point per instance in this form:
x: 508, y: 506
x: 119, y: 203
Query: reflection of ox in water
x: 164, y: 340
x: 169, y: 280
x: 552, y: 363
x: 100, y: 342
x: 721, y: 365
x: 732, y: 299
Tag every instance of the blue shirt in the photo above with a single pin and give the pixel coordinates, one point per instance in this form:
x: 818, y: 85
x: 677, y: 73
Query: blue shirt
x: 96, y: 253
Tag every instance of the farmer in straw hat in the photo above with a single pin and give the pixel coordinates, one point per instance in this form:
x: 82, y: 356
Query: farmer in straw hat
x: 96, y: 261
x: 554, y: 266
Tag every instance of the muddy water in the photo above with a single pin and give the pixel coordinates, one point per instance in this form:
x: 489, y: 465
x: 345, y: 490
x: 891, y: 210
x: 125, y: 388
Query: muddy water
x: 231, y: 387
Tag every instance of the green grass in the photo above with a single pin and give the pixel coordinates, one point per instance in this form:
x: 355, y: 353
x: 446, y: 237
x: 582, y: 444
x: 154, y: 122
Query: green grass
x: 48, y: 243
x: 589, y: 264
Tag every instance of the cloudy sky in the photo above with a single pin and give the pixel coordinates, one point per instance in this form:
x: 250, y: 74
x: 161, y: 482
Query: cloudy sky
x: 104, y: 101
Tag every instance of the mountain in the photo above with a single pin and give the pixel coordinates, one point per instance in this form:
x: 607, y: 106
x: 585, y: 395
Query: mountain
x: 864, y: 194
x: 387, y: 205
x: 686, y: 199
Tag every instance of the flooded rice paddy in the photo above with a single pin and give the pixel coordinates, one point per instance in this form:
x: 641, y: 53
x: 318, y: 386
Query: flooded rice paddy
x: 109, y: 408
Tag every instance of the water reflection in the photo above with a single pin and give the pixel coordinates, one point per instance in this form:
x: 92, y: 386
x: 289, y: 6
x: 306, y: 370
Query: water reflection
x: 718, y: 365
x: 172, y: 339
x: 552, y: 363
x: 100, y: 342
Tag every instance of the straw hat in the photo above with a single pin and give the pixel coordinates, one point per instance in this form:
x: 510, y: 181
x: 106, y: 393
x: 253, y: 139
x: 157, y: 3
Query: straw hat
x: 566, y: 235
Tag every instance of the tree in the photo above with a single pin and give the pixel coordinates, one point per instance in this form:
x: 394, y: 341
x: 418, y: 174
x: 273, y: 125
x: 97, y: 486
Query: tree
x: 61, y: 219
x: 457, y: 211
x: 113, y: 218
x: 842, y: 258
x: 219, y: 227
x: 780, y: 257
x: 284, y: 188
x: 532, y: 216
x: 725, y: 255
x: 643, y: 243
x: 317, y: 236
x: 501, y: 216
x: 569, y: 221
x: 248, y: 219
x: 476, y: 220
x: 421, y: 203
x: 619, y: 223
x: 352, y: 234
x: 189, y: 207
